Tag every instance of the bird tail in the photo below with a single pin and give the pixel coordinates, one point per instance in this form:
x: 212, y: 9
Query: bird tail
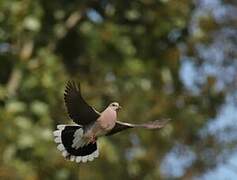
x: 72, y: 144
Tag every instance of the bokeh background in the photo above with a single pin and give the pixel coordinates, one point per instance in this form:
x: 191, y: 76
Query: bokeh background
x: 159, y: 58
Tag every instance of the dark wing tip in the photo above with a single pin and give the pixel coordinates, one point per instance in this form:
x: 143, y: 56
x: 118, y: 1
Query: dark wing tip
x: 72, y: 85
x: 157, y: 123
x: 71, y: 91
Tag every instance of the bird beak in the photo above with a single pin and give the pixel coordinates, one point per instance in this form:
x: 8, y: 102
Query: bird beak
x: 119, y: 107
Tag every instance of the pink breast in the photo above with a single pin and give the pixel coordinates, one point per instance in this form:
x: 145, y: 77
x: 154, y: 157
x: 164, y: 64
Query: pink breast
x: 107, y: 119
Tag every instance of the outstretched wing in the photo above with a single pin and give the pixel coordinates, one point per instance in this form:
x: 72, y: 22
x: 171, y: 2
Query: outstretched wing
x: 120, y: 126
x: 79, y: 111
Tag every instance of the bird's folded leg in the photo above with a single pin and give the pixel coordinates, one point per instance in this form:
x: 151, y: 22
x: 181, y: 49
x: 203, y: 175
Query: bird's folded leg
x: 92, y: 139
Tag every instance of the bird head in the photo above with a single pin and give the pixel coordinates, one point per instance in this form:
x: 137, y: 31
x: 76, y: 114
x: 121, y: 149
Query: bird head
x: 115, y: 106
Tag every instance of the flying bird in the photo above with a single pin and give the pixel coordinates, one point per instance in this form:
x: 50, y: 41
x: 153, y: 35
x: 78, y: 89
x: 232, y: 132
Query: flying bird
x: 78, y: 142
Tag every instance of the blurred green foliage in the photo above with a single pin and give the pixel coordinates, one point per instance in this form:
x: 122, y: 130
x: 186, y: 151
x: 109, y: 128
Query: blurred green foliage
x: 126, y: 51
